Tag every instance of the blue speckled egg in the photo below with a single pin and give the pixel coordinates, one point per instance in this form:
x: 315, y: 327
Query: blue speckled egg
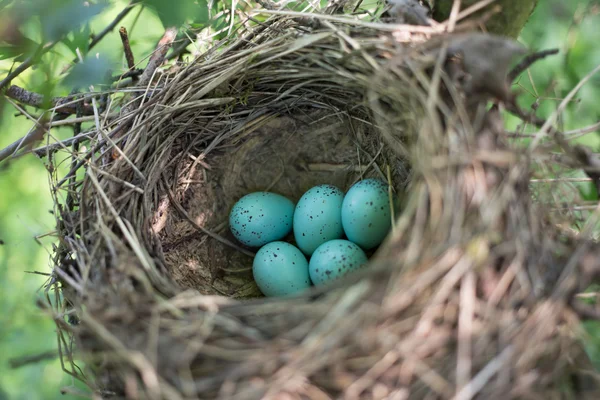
x: 318, y: 217
x: 280, y: 269
x: 334, y: 259
x: 366, y: 213
x: 261, y: 217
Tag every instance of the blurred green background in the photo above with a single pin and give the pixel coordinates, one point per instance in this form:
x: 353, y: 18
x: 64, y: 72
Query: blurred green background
x: 25, y: 202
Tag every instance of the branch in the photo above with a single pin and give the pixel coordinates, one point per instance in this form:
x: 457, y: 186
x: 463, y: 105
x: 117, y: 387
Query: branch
x: 580, y: 156
x: 69, y: 105
x: 129, y: 74
x: 528, y: 61
x: 97, y: 38
x: 36, y: 134
x: 156, y: 60
x: 51, y: 148
x: 179, y: 49
x: 32, y: 359
x: 158, y: 57
x: 26, y: 64
x: 127, y: 48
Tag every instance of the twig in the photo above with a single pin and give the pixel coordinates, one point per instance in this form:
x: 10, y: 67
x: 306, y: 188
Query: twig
x: 547, y: 127
x: 35, y: 135
x: 528, y: 61
x: 127, y: 48
x: 26, y: 64
x: 569, y: 135
x: 163, y: 46
x: 156, y: 60
x: 267, y: 4
x: 179, y: 49
x: 97, y: 38
x: 129, y: 74
x: 464, y: 362
x: 111, y: 26
x: 76, y: 132
x: 36, y: 100
x: 116, y: 131
x: 586, y: 312
x: 19, y: 362
x: 483, y: 377
x: 356, y: 22
x: 49, y: 149
x: 552, y: 180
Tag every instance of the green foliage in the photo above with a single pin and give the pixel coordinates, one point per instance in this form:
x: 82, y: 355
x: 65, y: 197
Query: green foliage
x: 24, y: 329
x: 79, y: 39
x: 184, y: 11
x: 573, y: 31
x: 93, y: 70
x: 59, y: 17
x: 19, y: 52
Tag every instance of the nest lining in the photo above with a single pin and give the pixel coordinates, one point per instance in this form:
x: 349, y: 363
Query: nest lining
x: 466, y: 298
x: 284, y: 154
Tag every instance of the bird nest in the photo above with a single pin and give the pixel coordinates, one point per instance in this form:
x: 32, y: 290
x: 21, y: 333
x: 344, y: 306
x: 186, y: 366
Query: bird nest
x: 471, y: 295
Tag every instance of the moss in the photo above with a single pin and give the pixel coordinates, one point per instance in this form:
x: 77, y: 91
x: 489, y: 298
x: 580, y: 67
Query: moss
x: 508, y: 22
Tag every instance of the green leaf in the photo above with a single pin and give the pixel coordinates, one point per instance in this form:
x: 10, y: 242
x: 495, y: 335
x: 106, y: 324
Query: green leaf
x: 59, y: 21
x: 79, y: 39
x: 588, y: 192
x: 24, y: 49
x: 195, y: 11
x: 93, y: 70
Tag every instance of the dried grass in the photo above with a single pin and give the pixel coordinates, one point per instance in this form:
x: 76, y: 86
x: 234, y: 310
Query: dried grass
x: 471, y: 296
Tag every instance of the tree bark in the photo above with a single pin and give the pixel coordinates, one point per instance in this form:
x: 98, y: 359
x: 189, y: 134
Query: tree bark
x: 508, y: 22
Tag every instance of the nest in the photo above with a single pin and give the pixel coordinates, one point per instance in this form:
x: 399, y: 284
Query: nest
x: 471, y: 295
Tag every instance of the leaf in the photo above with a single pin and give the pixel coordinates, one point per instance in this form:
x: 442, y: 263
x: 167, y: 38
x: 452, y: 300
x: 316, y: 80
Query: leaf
x: 588, y: 192
x: 93, y: 70
x: 21, y: 51
x: 184, y: 11
x: 79, y: 39
x: 59, y: 21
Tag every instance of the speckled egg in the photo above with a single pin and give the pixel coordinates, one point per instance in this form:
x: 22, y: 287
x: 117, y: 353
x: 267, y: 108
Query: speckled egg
x: 280, y: 269
x: 261, y: 217
x: 366, y: 213
x: 318, y: 217
x: 334, y: 259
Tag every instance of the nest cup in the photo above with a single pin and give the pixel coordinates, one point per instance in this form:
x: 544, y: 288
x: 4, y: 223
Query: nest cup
x: 283, y: 151
x: 254, y: 121
x: 152, y: 273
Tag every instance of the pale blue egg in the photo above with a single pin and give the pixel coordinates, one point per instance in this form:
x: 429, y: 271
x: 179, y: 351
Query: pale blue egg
x: 318, y: 217
x: 366, y: 213
x: 261, y: 217
x: 280, y: 269
x: 334, y: 259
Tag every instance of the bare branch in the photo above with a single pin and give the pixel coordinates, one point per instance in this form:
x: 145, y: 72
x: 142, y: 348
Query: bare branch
x: 158, y: 57
x: 127, y: 48
x: 32, y: 359
x: 35, y: 135
x: 112, y: 25
x: 51, y: 148
x: 36, y: 100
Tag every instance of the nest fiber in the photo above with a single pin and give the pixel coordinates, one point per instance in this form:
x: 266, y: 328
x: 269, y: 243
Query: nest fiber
x: 470, y: 296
